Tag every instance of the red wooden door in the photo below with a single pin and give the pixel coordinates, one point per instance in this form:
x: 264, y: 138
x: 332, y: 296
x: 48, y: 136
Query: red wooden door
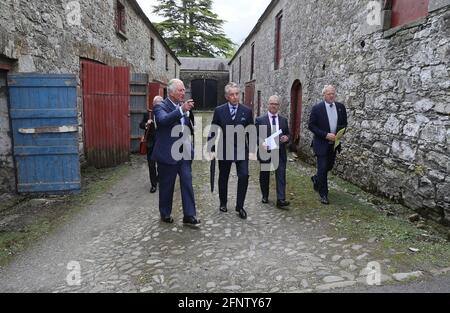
x: 249, y: 100
x: 106, y: 101
x: 296, y: 113
x: 155, y: 89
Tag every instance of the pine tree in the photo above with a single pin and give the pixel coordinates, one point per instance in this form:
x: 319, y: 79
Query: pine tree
x: 191, y: 29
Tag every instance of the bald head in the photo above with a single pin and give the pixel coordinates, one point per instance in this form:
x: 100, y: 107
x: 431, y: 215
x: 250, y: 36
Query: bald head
x: 329, y: 94
x: 274, y: 104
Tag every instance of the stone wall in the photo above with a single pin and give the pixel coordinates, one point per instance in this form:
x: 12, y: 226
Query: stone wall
x: 50, y: 37
x: 7, y: 176
x: 395, y: 85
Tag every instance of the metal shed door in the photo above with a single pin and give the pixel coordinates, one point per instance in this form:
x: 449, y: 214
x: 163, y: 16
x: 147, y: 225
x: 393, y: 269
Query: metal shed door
x: 106, y: 101
x: 45, y: 132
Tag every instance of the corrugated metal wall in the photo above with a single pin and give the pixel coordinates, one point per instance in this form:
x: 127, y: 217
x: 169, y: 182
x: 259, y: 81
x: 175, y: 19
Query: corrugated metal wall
x: 106, y: 99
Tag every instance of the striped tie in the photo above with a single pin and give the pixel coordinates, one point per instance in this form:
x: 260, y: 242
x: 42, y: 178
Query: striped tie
x: 233, y: 112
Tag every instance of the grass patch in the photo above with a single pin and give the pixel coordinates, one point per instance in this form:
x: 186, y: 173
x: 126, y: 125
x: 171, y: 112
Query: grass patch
x: 33, y: 220
x: 359, y: 216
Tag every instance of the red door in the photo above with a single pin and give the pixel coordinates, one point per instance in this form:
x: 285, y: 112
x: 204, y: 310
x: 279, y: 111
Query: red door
x: 106, y: 100
x: 155, y: 89
x: 296, y: 113
x: 249, y: 100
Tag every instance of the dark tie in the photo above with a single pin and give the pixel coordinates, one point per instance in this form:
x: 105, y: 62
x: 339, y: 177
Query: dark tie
x: 274, y: 124
x: 233, y: 112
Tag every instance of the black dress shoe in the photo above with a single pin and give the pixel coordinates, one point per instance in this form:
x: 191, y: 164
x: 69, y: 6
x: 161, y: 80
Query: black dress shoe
x: 242, y: 213
x: 282, y: 204
x: 223, y: 208
x: 167, y: 219
x: 153, y: 189
x: 324, y: 200
x: 265, y: 200
x: 191, y: 221
x: 315, y: 185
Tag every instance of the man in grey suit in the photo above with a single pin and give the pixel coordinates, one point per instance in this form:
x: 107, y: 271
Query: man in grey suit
x: 275, y: 159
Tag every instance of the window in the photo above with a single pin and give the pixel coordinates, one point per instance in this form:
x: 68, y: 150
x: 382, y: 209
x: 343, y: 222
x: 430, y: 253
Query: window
x: 240, y: 69
x: 278, y: 21
x: 252, y: 62
x: 120, y: 18
x: 407, y: 11
x: 175, y: 69
x: 167, y: 62
x: 232, y: 72
x: 152, y: 48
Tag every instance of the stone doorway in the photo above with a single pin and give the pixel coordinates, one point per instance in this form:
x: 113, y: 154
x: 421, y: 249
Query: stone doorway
x: 7, y: 172
x: 296, y: 113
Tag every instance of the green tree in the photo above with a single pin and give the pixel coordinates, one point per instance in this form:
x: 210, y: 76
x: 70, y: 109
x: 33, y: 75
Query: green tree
x: 191, y: 29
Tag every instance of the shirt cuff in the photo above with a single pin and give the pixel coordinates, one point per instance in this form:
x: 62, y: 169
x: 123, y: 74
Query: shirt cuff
x: 181, y: 111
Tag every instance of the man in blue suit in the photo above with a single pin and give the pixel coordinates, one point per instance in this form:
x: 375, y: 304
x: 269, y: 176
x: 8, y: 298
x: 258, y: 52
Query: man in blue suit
x: 173, y: 151
x: 273, y: 159
x: 229, y: 121
x: 326, y: 119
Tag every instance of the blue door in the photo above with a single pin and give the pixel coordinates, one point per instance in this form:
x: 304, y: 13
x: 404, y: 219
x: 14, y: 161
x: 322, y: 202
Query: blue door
x: 45, y: 132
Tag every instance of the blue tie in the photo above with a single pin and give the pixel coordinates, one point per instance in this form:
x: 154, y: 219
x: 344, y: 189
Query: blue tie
x: 274, y: 124
x: 233, y: 112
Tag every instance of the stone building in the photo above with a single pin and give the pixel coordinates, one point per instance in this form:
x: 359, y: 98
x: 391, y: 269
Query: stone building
x: 58, y: 36
x: 205, y: 80
x: 390, y: 62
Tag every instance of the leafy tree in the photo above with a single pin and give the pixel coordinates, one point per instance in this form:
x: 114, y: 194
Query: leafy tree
x: 192, y: 29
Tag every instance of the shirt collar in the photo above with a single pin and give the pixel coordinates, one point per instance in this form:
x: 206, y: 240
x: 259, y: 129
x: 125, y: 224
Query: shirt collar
x: 233, y: 106
x: 270, y: 115
x: 330, y: 105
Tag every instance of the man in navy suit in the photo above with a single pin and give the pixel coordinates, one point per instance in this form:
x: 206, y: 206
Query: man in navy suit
x: 229, y: 121
x: 173, y: 151
x: 276, y: 158
x: 326, y: 119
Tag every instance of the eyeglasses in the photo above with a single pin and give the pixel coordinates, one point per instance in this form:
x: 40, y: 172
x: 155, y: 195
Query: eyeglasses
x: 274, y: 104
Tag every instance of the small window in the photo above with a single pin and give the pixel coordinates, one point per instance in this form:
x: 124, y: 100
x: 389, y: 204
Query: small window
x: 407, y: 11
x: 240, y: 69
x: 167, y: 62
x: 175, y: 70
x: 278, y: 20
x: 232, y: 72
x: 120, y: 18
x: 152, y: 48
x: 252, y: 62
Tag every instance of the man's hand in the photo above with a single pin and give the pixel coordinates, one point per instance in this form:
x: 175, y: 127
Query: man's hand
x: 265, y: 146
x: 284, y: 139
x: 331, y: 137
x: 188, y: 105
x: 252, y: 156
x: 211, y: 156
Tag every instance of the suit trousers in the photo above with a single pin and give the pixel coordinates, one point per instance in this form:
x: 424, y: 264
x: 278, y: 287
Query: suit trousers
x: 280, y: 175
x: 167, y: 177
x: 152, y: 169
x: 224, y: 174
x: 325, y: 164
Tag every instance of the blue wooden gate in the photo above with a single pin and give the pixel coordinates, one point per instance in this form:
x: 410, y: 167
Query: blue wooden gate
x: 45, y: 132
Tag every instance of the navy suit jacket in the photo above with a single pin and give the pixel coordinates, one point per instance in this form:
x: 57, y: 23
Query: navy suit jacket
x: 222, y: 118
x: 320, y: 126
x: 167, y: 117
x: 284, y: 126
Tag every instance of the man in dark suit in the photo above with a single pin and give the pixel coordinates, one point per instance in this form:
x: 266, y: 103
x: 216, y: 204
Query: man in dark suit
x: 267, y: 125
x: 174, y: 154
x: 148, y: 125
x: 326, y: 119
x: 229, y: 122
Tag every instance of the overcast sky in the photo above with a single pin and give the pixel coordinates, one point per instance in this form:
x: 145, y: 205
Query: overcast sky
x: 240, y: 15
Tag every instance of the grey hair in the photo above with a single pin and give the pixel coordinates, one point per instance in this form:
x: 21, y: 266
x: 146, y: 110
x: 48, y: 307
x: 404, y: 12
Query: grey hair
x: 324, y: 90
x: 172, y: 86
x: 230, y: 86
x: 276, y: 97
x: 157, y: 99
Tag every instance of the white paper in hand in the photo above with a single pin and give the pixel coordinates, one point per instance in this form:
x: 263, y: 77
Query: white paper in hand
x: 271, y: 141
